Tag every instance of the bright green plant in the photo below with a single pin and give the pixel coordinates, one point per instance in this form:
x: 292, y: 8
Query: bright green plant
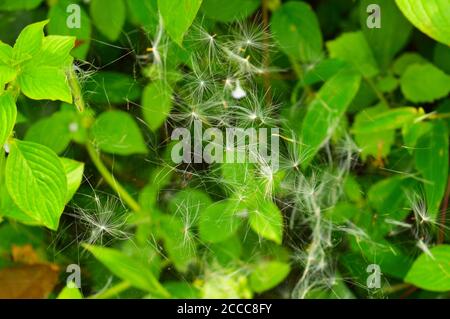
x: 87, y: 159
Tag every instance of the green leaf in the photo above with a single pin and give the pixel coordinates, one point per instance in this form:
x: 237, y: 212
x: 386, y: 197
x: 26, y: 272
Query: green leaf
x: 379, y: 144
x: 178, y: 241
x: 323, y: 70
x: 53, y: 132
x: 178, y: 16
x: 116, y: 132
x: 6, y: 53
x: 353, y: 48
x: 156, y: 104
x: 144, y: 13
x: 58, y: 26
x: 296, y: 29
x: 424, y: 83
x: 219, y: 221
x: 7, y: 75
x: 266, y: 220
x: 267, y: 275
x: 431, y: 158
x: 70, y: 293
x: 36, y: 181
x: 189, y: 203
x: 393, y: 35
x: 8, y: 114
x: 55, y: 51
x: 228, y: 11
x: 386, y: 120
x: 29, y: 41
x: 430, y: 17
x: 431, y: 272
x: 405, y: 60
x: 108, y: 17
x: 13, y: 5
x: 112, y: 88
x: 129, y: 269
x: 44, y: 83
x: 74, y: 175
x: 326, y: 110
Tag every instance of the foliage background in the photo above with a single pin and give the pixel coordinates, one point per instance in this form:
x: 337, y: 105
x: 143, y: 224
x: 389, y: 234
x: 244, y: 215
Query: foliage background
x: 364, y: 118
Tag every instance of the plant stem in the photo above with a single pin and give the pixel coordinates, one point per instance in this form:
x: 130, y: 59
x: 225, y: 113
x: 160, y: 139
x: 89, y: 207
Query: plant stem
x: 113, y: 291
x: 379, y: 94
x: 93, y: 154
x: 109, y: 178
x: 76, y: 91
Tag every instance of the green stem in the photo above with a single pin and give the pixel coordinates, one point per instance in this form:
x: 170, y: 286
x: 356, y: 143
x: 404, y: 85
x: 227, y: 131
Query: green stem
x: 379, y: 94
x: 93, y: 154
x: 109, y: 178
x: 113, y: 291
x: 76, y: 91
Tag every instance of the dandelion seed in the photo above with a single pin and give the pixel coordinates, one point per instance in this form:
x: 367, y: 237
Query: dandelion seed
x: 238, y: 93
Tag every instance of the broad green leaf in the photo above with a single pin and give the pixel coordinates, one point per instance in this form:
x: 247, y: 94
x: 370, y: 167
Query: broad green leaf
x: 29, y: 41
x: 182, y: 290
x: 297, y: 31
x: 129, y: 269
x: 268, y: 274
x: 108, y: 17
x: 326, y: 110
x: 227, y: 11
x: 53, y: 132
x: 379, y: 144
x: 156, y: 104
x: 44, y: 83
x: 431, y: 157
x: 144, y: 13
x: 178, y: 241
x: 112, y: 88
x: 387, y: 195
x: 116, y: 132
x: 323, y: 71
x: 393, y: 35
x: 353, y: 48
x: 178, y: 16
x: 412, y: 133
x: 6, y: 53
x: 37, y: 182
x: 405, y: 60
x: 58, y: 17
x: 430, y: 17
x: 188, y: 203
x: 431, y: 272
x: 386, y: 120
x: 8, y: 114
x: 225, y: 252
x: 219, y: 221
x: 266, y: 220
x: 7, y: 75
x: 342, y: 213
x: 13, y: 5
x: 55, y: 51
x: 74, y: 175
x: 424, y: 83
x: 70, y: 293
